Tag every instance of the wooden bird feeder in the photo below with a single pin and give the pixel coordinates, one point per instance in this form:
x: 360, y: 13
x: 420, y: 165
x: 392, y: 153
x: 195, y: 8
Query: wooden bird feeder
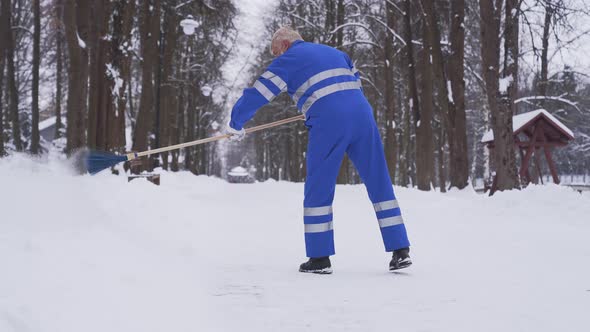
x: 535, y: 131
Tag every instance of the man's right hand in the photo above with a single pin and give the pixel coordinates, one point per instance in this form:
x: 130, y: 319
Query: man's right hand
x: 235, y: 135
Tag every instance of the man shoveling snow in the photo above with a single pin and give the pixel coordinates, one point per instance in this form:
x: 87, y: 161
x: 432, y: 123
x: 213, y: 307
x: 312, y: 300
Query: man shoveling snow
x: 326, y: 87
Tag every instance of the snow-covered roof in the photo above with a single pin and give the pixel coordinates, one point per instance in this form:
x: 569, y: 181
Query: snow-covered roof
x: 47, y: 123
x: 238, y: 171
x: 521, y: 120
x: 189, y: 25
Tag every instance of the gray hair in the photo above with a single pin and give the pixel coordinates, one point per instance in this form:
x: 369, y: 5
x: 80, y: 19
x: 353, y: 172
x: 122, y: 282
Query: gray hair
x: 285, y: 33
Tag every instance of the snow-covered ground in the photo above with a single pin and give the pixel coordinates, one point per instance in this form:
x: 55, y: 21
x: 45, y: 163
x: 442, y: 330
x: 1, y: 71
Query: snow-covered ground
x: 83, y: 253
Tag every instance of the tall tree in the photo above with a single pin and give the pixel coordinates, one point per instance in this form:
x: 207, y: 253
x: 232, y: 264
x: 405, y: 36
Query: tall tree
x: 390, y: 105
x: 107, y: 85
x: 167, y: 114
x: 490, y: 14
x: 413, y: 100
x: 503, y: 155
x: 8, y: 43
x: 149, y: 27
x: 444, y: 101
x: 76, y: 23
x: 99, y: 99
x: 543, y: 80
x: 502, y: 123
x: 459, y: 168
x: 334, y: 19
x: 120, y: 73
x: 2, y: 58
x: 35, y: 88
x: 2, y: 149
x: 59, y: 58
x: 424, y: 134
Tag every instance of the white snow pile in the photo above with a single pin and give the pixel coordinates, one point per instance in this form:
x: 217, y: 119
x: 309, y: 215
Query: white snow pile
x: 95, y: 254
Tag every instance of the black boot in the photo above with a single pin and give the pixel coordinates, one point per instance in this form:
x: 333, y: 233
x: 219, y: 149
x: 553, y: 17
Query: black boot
x: 320, y: 265
x: 401, y: 259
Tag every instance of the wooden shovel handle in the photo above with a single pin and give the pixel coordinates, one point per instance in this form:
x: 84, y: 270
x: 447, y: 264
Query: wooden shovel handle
x: 133, y: 155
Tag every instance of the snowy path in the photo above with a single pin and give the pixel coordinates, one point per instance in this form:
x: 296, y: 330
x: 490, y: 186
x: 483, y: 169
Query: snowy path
x: 197, y: 254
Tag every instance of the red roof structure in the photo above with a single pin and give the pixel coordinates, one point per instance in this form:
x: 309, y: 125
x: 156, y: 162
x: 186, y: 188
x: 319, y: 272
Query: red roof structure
x: 535, y: 131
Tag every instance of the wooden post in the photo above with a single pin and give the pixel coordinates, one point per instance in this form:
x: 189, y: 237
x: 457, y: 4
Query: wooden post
x: 518, y: 144
x: 551, y: 164
x: 538, y: 167
x: 494, y: 184
x: 547, y: 150
x: 524, y: 168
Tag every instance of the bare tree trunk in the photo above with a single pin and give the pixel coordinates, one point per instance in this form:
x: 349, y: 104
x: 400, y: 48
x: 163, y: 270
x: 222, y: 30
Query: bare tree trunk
x: 2, y: 58
x: 76, y: 16
x: 168, y: 90
x: 543, y: 80
x: 35, y: 87
x: 201, y: 153
x: 330, y: 22
x: 150, y: 35
x: 413, y: 101
x: 424, y: 136
x: 504, y: 142
x: 59, y: 65
x: 490, y: 54
x: 176, y: 116
x: 390, y: 105
x: 490, y: 49
x: 442, y: 178
x: 13, y: 105
x: 336, y: 17
x: 190, y: 122
x: 99, y: 101
x: 459, y: 165
x: 413, y: 95
x: 445, y: 106
x: 339, y: 22
x: 503, y: 154
x: 123, y: 13
x: 2, y: 149
x: 11, y: 73
x: 405, y: 149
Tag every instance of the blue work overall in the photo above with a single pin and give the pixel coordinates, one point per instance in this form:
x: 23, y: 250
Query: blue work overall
x: 326, y: 87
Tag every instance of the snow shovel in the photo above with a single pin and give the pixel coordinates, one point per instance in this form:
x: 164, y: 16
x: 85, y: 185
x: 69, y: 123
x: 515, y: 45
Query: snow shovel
x: 96, y: 161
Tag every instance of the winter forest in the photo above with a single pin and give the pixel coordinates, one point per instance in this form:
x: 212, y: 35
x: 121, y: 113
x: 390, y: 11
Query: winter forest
x: 135, y: 75
x: 483, y: 108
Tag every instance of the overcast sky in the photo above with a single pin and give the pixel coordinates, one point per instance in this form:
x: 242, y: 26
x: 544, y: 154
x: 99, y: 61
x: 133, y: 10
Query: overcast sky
x: 251, y: 40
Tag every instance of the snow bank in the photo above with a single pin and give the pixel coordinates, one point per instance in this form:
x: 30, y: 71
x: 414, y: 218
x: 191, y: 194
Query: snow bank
x: 82, y: 253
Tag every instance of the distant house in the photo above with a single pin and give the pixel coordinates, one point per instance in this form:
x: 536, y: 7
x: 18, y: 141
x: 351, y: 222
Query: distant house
x: 47, y: 128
